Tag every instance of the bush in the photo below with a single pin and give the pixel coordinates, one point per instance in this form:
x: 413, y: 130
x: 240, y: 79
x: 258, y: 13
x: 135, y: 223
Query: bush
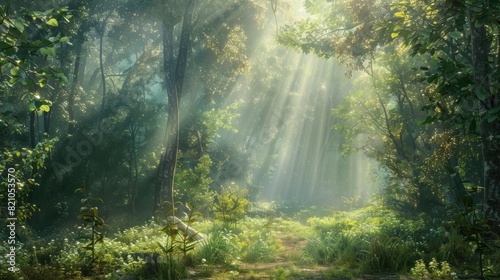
x: 231, y: 204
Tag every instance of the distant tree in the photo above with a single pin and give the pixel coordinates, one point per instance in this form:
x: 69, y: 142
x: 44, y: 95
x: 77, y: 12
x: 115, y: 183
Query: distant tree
x: 458, y: 37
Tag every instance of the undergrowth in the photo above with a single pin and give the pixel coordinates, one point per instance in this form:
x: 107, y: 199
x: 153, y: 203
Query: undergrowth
x: 367, y: 240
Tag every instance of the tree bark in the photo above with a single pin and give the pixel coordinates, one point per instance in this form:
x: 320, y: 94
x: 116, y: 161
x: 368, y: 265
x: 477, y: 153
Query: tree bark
x: 174, y: 78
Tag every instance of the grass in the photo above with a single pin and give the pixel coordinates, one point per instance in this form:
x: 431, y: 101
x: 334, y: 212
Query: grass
x: 368, y: 240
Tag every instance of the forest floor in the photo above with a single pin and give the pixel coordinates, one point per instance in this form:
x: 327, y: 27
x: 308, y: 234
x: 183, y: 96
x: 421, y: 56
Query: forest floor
x: 286, y: 265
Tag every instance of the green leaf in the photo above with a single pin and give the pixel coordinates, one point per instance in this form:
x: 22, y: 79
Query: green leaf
x: 4, y: 46
x: 45, y: 108
x: 455, y: 35
x: 492, y: 117
x: 32, y: 106
x: 64, y: 39
x: 394, y: 35
x: 400, y: 14
x: 481, y: 94
x: 425, y: 33
x: 19, y: 24
x: 42, y: 82
x: 14, y: 72
x: 48, y: 51
x: 52, y: 22
x: 428, y: 120
x: 80, y: 190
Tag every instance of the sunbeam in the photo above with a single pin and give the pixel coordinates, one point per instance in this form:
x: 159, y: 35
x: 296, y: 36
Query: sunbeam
x: 288, y: 128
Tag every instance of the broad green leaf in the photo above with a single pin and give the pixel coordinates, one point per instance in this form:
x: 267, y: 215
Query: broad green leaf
x: 481, y: 94
x: 14, y: 72
x: 455, y: 35
x: 495, y: 110
x: 45, y: 108
x: 19, y: 25
x: 64, y: 39
x: 52, y: 22
x: 400, y: 14
x: 42, y: 82
x: 428, y: 120
x: 31, y: 106
x: 48, y: 51
x: 425, y: 33
x: 4, y: 45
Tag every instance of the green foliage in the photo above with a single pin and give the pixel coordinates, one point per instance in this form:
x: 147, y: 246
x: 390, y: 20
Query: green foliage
x: 387, y: 254
x: 231, y: 204
x: 260, y: 249
x: 18, y: 45
x: 342, y: 29
x: 178, y: 246
x: 193, y: 185
x: 335, y: 248
x: 283, y: 273
x: 370, y: 239
x: 456, y: 249
x: 219, y: 248
x: 475, y: 230
x: 91, y: 219
x: 435, y: 270
x: 221, y: 119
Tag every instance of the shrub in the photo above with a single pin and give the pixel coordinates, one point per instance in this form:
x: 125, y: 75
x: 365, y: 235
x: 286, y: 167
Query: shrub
x: 232, y: 204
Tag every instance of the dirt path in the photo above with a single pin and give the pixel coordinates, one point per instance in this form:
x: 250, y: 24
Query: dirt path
x: 286, y: 265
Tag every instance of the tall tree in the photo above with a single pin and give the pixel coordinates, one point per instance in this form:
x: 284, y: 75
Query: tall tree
x: 174, y: 70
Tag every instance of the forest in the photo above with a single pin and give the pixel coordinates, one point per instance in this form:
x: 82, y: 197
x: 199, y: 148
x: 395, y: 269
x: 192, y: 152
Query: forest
x: 250, y: 139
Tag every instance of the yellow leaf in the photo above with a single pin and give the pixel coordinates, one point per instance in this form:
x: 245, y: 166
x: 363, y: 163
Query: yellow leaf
x: 400, y: 14
x: 52, y: 22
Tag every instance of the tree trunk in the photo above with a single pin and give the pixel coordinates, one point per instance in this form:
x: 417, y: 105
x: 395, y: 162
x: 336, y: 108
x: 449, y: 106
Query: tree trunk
x: 490, y: 129
x: 174, y: 78
x: 32, y: 129
x: 79, y: 41
x: 101, y: 66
